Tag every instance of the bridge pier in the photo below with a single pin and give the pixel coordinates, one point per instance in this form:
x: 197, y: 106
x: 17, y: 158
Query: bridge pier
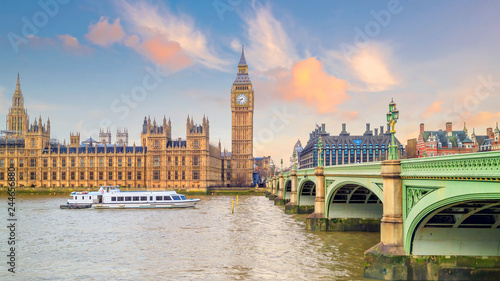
x: 267, y: 188
x: 280, y: 200
x: 387, y: 260
x: 317, y: 220
x: 273, y: 191
x: 292, y: 207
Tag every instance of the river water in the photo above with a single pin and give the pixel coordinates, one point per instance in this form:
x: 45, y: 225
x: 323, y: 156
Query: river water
x: 258, y: 242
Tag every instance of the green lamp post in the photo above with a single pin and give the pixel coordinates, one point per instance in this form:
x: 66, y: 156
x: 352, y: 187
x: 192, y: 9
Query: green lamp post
x: 392, y: 119
x: 320, y: 152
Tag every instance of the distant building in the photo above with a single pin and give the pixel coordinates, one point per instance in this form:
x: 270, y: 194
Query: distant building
x: 262, y: 165
x: 449, y: 142
x: 347, y: 149
x: 411, y: 148
x: 122, y: 137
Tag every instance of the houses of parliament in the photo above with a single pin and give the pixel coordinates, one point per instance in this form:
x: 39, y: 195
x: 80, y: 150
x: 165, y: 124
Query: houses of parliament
x: 160, y: 162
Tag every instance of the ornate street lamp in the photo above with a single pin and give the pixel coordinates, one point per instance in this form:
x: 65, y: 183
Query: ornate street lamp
x: 392, y: 119
x: 281, y: 165
x: 320, y: 152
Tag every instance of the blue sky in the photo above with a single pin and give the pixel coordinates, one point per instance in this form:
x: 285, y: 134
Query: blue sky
x: 89, y: 64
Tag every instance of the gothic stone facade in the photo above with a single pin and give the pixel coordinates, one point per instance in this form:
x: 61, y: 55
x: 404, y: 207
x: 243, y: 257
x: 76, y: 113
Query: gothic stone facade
x: 159, y: 163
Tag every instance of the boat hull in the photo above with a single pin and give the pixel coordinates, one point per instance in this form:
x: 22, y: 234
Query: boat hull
x: 75, y: 206
x: 184, y: 204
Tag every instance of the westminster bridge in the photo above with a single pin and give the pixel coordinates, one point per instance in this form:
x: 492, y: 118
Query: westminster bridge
x: 439, y: 217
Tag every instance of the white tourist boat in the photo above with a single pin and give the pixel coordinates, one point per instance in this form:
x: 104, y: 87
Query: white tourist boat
x: 110, y: 197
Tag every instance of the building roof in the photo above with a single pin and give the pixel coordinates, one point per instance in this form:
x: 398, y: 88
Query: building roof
x: 242, y: 62
x: 455, y: 138
x: 92, y: 149
x: 346, y: 141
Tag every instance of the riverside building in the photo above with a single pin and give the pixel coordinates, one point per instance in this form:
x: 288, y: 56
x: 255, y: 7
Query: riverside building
x: 159, y: 162
x: 346, y: 148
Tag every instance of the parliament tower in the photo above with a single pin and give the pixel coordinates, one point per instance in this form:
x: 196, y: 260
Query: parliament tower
x: 242, y: 106
x: 17, y: 119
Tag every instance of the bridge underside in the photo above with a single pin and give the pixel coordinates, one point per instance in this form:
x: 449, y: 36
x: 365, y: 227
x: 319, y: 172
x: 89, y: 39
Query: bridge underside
x: 468, y: 229
x: 307, y: 194
x: 355, y: 201
x: 352, y: 207
x: 288, y: 190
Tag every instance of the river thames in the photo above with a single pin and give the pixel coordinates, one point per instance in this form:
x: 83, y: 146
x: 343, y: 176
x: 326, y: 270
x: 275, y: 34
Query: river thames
x: 258, y: 242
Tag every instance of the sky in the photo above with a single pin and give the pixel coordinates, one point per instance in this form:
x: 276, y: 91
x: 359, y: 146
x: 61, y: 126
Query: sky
x: 91, y: 64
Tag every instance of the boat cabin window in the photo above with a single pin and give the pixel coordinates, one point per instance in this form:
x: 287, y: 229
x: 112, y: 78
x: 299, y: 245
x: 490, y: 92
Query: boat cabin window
x: 83, y: 197
x: 113, y: 198
x: 135, y: 198
x: 159, y: 198
x: 120, y: 198
x: 128, y: 198
x: 144, y: 198
x: 150, y: 198
x: 175, y: 197
x: 167, y: 198
x: 90, y: 197
x: 183, y: 197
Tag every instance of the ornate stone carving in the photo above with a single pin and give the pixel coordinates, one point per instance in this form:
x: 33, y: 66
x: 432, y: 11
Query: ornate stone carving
x: 329, y: 183
x: 415, y: 194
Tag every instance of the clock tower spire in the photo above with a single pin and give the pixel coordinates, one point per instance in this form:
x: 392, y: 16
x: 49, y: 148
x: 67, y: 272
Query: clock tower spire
x: 242, y: 106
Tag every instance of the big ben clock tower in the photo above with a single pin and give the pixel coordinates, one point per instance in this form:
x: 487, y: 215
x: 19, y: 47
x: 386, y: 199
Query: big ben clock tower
x: 242, y: 104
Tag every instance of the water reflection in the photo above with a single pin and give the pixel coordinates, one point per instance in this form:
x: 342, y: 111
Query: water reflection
x: 259, y: 241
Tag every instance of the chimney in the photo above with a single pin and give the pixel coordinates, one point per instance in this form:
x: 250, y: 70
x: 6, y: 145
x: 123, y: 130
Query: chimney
x: 421, y: 128
x: 381, y: 130
x: 323, y: 127
x: 376, y: 131
x: 448, y: 128
x: 367, y: 127
x: 489, y: 133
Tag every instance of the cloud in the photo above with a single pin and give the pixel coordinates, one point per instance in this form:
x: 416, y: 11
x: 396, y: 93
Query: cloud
x: 433, y: 109
x: 484, y: 118
x: 40, y: 41
x: 167, y: 53
x: 349, y: 115
x: 270, y: 47
x: 370, y: 66
x: 150, y: 22
x: 71, y: 45
x: 105, y: 34
x: 308, y: 82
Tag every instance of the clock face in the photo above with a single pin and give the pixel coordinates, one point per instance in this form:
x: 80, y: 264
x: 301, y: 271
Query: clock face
x: 241, y: 99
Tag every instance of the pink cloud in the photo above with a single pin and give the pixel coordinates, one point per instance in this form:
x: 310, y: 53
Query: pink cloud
x: 40, y: 41
x: 71, y: 45
x: 433, y: 109
x: 167, y: 53
x: 105, y: 34
x: 307, y: 82
x: 349, y: 115
x: 483, y: 119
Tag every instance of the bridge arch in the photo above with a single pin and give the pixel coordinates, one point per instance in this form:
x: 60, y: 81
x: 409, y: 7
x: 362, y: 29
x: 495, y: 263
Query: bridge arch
x: 306, y: 192
x: 354, y: 199
x: 287, y: 192
x: 455, y: 221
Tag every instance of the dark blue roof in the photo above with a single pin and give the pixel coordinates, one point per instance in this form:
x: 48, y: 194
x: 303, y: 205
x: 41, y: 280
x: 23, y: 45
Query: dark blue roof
x: 100, y: 149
